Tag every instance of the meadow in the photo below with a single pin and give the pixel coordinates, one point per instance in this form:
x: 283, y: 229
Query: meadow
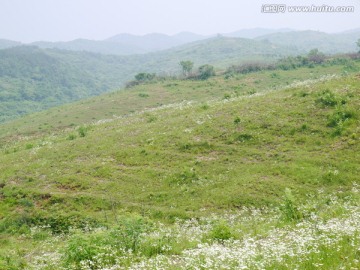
x: 248, y: 171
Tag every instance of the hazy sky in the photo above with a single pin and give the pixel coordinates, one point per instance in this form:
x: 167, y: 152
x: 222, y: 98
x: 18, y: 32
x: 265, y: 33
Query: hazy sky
x: 63, y: 20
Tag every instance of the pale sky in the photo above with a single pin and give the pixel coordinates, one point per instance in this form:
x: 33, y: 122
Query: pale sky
x: 64, y: 20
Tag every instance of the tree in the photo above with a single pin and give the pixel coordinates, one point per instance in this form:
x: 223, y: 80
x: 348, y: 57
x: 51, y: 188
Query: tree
x: 358, y: 43
x: 206, y: 71
x: 316, y: 56
x: 187, y: 67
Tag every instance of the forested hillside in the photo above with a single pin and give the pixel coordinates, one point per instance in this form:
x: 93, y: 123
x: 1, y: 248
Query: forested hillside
x: 33, y: 79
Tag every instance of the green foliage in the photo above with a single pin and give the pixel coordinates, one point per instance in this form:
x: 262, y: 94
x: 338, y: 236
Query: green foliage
x: 220, y: 231
x: 288, y: 208
x: 128, y: 233
x: 82, y: 130
x: 243, y: 137
x: 143, y: 95
x: 143, y: 77
x: 32, y: 79
x: 188, y: 176
x: 237, y: 120
x: 187, y: 67
x: 339, y: 119
x: 81, y: 249
x: 327, y: 99
x: 206, y: 71
x: 316, y: 56
x: 188, y: 164
x: 71, y: 137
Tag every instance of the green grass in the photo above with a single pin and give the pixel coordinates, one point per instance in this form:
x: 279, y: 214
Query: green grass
x: 176, y: 162
x: 125, y: 102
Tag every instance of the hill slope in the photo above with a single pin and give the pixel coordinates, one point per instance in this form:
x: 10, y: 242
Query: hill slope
x: 158, y: 93
x: 104, y: 47
x: 32, y: 79
x: 307, y: 40
x: 124, y: 44
x: 75, y: 194
x: 4, y: 43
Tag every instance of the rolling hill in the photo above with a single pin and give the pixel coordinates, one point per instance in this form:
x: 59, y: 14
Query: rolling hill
x: 4, y: 43
x: 32, y: 79
x: 124, y: 44
x: 307, y: 40
x: 244, y: 162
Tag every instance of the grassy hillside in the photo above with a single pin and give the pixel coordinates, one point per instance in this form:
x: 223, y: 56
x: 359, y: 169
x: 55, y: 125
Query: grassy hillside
x: 307, y: 40
x: 91, y: 196
x: 163, y: 92
x: 33, y: 79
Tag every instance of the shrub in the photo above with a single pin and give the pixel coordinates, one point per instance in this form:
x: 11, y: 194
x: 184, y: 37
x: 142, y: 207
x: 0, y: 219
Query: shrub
x: 244, y: 137
x: 143, y: 95
x: 237, y: 120
x: 220, y: 231
x: 288, y: 208
x: 142, y: 77
x: 71, y: 137
x: 81, y: 249
x: 327, y: 99
x: 128, y: 233
x: 205, y: 72
x: 82, y: 131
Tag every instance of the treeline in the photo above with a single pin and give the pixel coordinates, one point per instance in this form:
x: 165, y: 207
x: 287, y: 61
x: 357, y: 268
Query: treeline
x: 313, y: 58
x: 293, y: 62
x: 203, y: 73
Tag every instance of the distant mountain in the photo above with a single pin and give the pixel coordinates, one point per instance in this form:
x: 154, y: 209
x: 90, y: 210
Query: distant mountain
x: 128, y: 44
x: 219, y: 51
x: 150, y: 42
x: 4, y: 43
x: 351, y: 31
x: 155, y: 42
x: 186, y: 37
x: 256, y: 32
x: 307, y: 40
x: 104, y: 47
x: 124, y: 44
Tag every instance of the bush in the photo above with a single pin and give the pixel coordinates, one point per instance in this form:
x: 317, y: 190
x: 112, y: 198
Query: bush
x: 327, y: 99
x: 128, y: 233
x: 82, y: 131
x: 249, y: 67
x: 220, y: 231
x: 205, y: 72
x: 288, y: 208
x: 142, y: 77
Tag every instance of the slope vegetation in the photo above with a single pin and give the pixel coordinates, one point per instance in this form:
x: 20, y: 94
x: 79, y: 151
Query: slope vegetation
x: 214, y: 180
x: 308, y: 40
x: 33, y: 79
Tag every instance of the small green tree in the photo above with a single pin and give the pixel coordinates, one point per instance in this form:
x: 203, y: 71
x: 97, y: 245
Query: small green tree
x: 206, y: 71
x: 187, y: 67
x: 358, y: 44
x: 316, y: 56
